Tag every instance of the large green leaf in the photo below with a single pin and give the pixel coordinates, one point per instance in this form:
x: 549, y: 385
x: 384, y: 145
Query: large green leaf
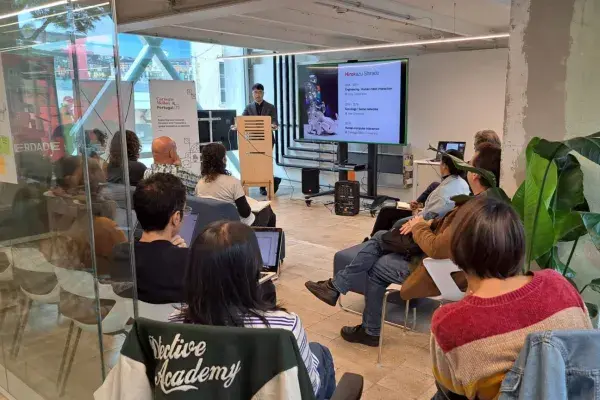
x: 595, y: 285
x: 568, y: 226
x: 592, y: 224
x: 550, y: 150
x: 518, y: 201
x: 463, y: 166
x: 550, y: 260
x: 540, y: 185
x: 569, y: 188
x: 588, y: 146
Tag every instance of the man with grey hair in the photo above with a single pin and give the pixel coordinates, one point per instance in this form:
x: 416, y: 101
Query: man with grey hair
x: 486, y: 136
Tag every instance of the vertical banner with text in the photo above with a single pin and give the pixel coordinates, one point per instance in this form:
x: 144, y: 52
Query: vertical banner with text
x: 175, y: 114
x: 8, y: 168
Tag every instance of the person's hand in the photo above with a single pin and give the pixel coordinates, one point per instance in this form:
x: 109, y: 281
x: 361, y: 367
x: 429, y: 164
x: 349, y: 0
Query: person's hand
x: 406, y: 228
x: 179, y: 242
x: 274, y: 127
x: 414, y: 205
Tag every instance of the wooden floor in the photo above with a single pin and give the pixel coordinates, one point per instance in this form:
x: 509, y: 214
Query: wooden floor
x: 313, y: 235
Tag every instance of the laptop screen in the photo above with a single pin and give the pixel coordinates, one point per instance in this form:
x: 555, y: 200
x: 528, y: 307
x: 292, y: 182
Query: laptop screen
x: 269, y: 242
x: 445, y: 146
x: 187, y: 230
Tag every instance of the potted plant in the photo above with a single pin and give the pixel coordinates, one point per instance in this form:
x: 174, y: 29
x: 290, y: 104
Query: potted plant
x: 552, y: 204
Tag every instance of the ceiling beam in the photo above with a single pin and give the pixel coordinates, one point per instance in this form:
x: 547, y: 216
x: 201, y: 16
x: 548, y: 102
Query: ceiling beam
x: 318, y: 23
x: 222, y: 38
x: 409, y: 15
x: 264, y: 31
x: 135, y: 16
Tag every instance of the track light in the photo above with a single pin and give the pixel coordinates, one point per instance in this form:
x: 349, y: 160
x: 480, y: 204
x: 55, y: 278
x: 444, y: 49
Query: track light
x: 375, y: 46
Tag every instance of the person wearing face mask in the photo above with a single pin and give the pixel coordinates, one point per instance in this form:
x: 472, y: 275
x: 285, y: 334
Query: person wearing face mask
x: 160, y: 254
x: 260, y: 107
x: 217, y: 183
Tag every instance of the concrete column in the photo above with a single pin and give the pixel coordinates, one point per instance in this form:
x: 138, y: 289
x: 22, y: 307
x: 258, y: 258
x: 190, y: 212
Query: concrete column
x: 553, y: 91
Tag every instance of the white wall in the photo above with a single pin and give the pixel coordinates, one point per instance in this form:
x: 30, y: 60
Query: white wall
x: 453, y: 95
x: 450, y: 97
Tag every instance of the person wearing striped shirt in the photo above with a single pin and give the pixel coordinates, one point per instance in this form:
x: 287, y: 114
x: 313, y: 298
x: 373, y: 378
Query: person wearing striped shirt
x: 221, y: 289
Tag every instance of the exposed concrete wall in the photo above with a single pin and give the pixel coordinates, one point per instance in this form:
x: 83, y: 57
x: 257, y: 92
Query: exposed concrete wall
x: 553, y: 91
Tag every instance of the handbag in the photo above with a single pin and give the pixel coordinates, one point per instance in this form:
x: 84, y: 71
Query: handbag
x: 394, y: 242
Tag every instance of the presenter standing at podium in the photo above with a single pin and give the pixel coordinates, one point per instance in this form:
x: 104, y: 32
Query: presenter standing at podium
x: 262, y: 108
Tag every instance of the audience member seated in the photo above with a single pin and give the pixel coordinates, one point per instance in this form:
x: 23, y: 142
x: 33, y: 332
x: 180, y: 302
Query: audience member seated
x: 439, y: 202
x: 166, y: 160
x: 160, y: 254
x: 387, y: 216
x: 221, y: 287
x: 384, y: 264
x: 475, y: 341
x: 217, y: 183
x: 114, y: 167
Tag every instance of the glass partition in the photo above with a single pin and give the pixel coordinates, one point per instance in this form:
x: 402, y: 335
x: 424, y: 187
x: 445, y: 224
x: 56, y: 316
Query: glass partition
x: 66, y: 284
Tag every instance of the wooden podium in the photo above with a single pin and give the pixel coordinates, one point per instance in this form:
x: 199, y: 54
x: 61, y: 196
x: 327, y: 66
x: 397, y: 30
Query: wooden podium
x: 255, y: 142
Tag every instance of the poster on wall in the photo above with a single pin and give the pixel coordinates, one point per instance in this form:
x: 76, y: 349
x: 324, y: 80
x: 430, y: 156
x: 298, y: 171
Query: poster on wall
x: 8, y: 169
x: 175, y: 114
x: 29, y: 87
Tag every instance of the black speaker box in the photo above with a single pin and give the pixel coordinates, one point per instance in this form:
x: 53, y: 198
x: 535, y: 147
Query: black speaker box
x: 310, y: 180
x: 347, y: 198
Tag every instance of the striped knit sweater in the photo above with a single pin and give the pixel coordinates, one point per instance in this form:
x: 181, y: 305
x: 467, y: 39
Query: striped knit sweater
x: 475, y: 341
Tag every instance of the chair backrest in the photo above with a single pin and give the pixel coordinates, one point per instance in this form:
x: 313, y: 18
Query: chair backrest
x: 219, y: 363
x: 211, y: 210
x: 441, y: 273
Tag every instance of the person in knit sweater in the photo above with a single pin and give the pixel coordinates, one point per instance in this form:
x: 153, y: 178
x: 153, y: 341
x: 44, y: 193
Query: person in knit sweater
x: 475, y: 341
x: 383, y: 268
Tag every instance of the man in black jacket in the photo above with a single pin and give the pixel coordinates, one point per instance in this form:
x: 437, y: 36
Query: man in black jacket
x: 160, y: 254
x: 260, y: 107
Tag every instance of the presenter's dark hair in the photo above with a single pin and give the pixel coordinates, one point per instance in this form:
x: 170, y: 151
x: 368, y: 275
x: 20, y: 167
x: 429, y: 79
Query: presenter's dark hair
x: 488, y: 238
x: 450, y: 164
x: 156, y: 199
x: 488, y: 157
x: 258, y: 86
x: 213, y: 162
x: 221, y: 282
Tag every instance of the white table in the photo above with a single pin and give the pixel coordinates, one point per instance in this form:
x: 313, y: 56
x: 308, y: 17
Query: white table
x: 424, y: 172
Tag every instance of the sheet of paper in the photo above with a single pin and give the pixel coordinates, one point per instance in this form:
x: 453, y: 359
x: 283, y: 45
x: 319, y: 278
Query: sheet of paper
x: 256, y: 205
x: 401, y: 204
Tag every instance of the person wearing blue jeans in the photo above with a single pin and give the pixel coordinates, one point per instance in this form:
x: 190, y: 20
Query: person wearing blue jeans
x: 326, y: 370
x: 382, y: 270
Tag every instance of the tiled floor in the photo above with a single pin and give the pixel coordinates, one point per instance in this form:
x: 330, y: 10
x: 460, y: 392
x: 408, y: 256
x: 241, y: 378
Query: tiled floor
x: 313, y: 235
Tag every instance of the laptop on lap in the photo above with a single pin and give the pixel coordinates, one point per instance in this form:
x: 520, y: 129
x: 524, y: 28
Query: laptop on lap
x: 269, y: 242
